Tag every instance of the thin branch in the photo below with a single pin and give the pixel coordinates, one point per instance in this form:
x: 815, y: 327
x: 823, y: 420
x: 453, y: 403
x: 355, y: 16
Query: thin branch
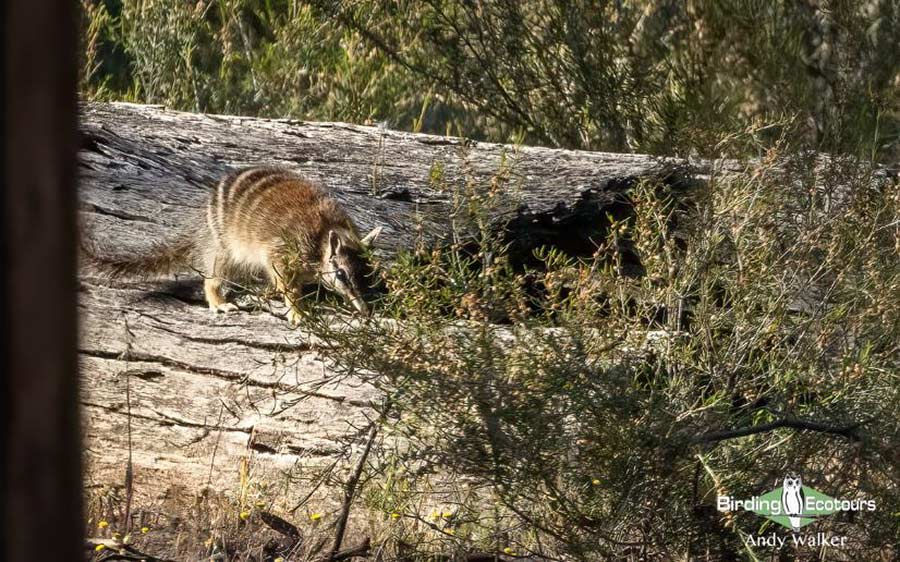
x: 350, y: 491
x: 361, y: 550
x: 321, y: 480
x: 129, y: 466
x: 847, y: 431
x: 123, y: 551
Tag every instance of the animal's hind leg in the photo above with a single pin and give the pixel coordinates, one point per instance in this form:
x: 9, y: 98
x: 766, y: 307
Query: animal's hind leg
x: 213, y: 284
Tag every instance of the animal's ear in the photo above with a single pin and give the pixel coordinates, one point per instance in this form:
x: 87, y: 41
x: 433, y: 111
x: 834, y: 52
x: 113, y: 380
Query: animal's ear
x: 334, y: 242
x: 367, y: 240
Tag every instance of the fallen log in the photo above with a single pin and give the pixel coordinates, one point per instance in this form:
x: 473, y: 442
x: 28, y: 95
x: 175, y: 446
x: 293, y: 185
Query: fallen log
x: 205, y: 393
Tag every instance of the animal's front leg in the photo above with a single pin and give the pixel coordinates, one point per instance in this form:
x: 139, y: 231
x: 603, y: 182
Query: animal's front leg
x: 290, y: 295
x: 212, y: 288
x: 292, y: 302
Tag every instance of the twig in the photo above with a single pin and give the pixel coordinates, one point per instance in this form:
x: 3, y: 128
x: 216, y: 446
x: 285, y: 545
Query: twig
x: 322, y: 478
x: 129, y: 466
x: 349, y: 492
x: 212, y: 461
x: 848, y: 431
x: 360, y: 550
x: 137, y: 557
x: 130, y: 553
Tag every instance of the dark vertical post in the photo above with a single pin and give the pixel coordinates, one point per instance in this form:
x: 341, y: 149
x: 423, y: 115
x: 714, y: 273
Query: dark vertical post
x: 41, y: 450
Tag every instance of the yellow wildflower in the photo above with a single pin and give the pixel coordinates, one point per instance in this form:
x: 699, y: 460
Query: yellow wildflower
x: 595, y: 481
x: 447, y: 514
x: 103, y: 524
x: 509, y: 551
x: 395, y: 515
x: 315, y: 516
x: 244, y: 515
x: 99, y: 547
x: 145, y: 530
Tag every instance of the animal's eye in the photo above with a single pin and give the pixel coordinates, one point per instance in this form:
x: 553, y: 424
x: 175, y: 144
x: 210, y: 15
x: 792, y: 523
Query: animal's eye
x: 341, y: 275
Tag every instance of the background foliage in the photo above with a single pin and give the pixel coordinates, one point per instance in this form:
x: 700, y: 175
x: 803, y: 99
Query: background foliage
x: 647, y: 75
x: 592, y: 406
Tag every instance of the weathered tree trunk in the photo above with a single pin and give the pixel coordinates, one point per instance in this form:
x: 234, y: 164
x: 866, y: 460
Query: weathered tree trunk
x: 207, y: 391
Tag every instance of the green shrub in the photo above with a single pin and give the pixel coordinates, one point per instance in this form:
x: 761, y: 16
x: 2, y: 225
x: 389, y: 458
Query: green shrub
x: 651, y: 76
x: 601, y: 414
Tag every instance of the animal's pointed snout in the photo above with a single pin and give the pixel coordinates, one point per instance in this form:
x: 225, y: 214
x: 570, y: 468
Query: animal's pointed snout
x: 361, y: 306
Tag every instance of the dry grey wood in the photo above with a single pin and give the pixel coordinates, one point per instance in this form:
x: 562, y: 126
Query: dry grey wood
x: 206, y: 391
x: 209, y: 392
x: 145, y: 169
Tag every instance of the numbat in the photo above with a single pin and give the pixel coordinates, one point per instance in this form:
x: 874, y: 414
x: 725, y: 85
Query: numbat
x: 263, y: 221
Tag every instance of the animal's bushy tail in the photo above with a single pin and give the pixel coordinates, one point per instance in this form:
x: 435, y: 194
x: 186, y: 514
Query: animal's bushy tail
x: 158, y: 260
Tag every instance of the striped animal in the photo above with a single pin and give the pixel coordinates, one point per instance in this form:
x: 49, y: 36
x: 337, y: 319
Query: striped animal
x: 268, y: 221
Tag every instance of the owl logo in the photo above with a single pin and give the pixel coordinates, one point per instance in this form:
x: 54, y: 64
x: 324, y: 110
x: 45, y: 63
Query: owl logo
x: 792, y: 500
